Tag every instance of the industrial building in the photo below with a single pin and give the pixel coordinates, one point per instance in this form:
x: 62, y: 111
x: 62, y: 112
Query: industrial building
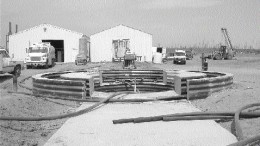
x: 113, y: 43
x: 65, y: 42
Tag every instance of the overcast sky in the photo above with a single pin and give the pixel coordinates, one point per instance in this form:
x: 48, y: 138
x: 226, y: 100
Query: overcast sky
x: 171, y: 22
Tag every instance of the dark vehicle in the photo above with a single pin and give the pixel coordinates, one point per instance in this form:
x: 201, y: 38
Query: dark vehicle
x: 189, y: 55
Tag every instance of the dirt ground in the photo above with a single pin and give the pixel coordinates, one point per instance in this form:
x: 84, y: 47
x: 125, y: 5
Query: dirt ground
x: 245, y: 90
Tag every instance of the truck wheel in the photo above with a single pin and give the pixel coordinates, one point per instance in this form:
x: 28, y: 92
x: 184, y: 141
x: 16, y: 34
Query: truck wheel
x: 28, y: 66
x: 46, y: 66
x: 229, y: 57
x: 52, y: 63
x: 217, y: 57
x: 17, y: 70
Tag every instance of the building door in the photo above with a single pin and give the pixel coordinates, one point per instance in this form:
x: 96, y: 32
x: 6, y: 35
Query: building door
x: 59, y: 49
x: 120, y: 47
x: 59, y: 56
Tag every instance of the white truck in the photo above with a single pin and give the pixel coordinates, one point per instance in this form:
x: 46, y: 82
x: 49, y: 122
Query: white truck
x: 7, y: 65
x: 179, y: 57
x: 40, y: 54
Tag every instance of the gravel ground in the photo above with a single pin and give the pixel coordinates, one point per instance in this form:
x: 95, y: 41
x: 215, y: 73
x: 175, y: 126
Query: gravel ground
x: 245, y: 90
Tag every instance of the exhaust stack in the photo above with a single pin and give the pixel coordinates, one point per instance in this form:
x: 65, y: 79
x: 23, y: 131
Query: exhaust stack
x: 16, y: 28
x: 10, y: 29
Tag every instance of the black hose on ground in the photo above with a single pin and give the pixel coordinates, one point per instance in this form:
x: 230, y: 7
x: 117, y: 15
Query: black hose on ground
x: 60, y: 116
x: 97, y: 99
x: 206, y: 116
x: 23, y: 86
x: 238, y: 130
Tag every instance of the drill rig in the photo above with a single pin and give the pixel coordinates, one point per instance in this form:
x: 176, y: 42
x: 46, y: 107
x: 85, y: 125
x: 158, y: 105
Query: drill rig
x: 129, y: 60
x: 225, y: 51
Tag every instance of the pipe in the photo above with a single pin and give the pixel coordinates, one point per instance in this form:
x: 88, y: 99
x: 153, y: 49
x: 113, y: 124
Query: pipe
x: 196, y: 118
x: 10, y: 29
x: 16, y: 28
x: 160, y: 117
x: 1, y: 61
x: 60, y: 116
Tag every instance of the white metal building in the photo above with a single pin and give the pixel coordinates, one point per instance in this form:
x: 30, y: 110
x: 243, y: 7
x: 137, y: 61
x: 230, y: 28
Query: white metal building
x: 65, y: 42
x: 113, y: 42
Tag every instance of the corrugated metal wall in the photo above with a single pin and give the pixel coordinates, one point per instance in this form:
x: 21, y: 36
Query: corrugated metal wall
x: 20, y: 41
x: 102, y: 49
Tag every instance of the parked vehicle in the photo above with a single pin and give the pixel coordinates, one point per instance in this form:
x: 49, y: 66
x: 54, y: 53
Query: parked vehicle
x: 179, y: 57
x: 40, y: 54
x: 189, y: 54
x: 81, y: 59
x: 7, y: 65
x: 170, y: 56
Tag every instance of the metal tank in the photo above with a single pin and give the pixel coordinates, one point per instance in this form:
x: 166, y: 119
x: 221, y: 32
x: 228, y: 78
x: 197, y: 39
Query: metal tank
x: 83, y: 45
x: 83, y: 55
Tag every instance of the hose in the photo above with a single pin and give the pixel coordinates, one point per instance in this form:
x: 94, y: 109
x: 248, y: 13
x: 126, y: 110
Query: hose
x: 23, y: 86
x: 206, y: 116
x: 238, y: 130
x: 61, y: 116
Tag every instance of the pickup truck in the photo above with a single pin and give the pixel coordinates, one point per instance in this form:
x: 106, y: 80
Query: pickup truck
x: 9, y: 66
x: 179, y: 57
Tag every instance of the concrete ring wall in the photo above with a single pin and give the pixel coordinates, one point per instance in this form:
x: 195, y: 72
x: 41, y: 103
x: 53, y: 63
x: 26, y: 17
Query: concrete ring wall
x: 193, y: 87
x: 62, y: 87
x: 203, y: 87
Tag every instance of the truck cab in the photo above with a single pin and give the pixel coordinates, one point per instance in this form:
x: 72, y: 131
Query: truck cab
x: 40, y: 54
x: 7, y: 65
x: 179, y: 57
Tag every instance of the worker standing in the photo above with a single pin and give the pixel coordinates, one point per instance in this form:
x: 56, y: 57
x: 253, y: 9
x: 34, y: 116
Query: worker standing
x: 204, y: 63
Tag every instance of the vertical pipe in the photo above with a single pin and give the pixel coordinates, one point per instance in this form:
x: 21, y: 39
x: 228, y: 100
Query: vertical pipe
x: 10, y: 29
x: 16, y: 28
x: 202, y: 61
x: 1, y: 62
x: 7, y: 40
x: 15, y: 87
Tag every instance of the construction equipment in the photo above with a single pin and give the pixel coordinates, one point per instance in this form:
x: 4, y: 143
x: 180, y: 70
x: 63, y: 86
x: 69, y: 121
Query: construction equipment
x: 225, y: 51
x: 129, y: 60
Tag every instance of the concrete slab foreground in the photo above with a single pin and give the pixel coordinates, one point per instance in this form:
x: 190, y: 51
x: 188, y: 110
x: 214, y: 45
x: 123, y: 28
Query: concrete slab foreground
x: 96, y: 128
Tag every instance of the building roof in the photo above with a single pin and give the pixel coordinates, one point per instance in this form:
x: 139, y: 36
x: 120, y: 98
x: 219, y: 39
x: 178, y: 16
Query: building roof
x: 123, y: 26
x: 47, y: 25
